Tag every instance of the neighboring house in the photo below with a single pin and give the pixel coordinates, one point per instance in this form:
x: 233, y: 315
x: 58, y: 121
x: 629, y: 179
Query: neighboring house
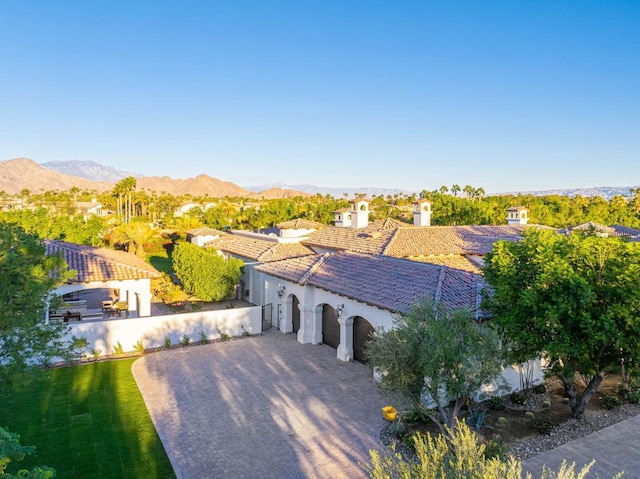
x: 202, y: 236
x: 88, y: 208
x: 105, y: 268
x: 186, y: 207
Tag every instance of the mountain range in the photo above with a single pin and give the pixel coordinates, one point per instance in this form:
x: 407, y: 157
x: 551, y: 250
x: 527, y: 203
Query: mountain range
x: 23, y: 173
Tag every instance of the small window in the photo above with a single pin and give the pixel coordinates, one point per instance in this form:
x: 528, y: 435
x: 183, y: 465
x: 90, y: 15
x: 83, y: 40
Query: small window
x: 363, y: 207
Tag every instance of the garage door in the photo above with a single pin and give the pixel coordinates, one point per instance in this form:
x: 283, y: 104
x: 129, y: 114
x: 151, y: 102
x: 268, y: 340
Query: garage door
x: 330, y: 327
x: 362, y: 330
x: 295, y: 314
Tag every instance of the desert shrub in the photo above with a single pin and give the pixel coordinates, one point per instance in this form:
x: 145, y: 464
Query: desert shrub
x: 518, y: 397
x: 496, y: 403
x: 542, y: 425
x: 223, y: 336
x: 139, y: 347
x: 167, y: 342
x: 118, y: 350
x: 185, y: 340
x: 416, y: 415
x: 204, y: 339
x: 494, y: 448
x: 397, y: 429
x: 529, y: 415
x: 610, y: 401
x: 95, y: 353
x: 476, y: 418
x: 539, y: 388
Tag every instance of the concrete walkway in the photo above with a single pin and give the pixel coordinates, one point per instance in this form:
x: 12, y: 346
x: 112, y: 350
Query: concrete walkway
x: 262, y: 407
x: 615, y: 449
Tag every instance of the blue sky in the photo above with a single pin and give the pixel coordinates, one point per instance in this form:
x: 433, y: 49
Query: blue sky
x: 513, y: 95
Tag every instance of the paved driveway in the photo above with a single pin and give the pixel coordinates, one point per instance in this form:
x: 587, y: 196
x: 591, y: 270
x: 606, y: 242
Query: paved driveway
x: 261, y: 407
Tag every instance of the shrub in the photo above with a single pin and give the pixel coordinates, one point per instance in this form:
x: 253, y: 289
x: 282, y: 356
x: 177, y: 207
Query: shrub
x: 518, y: 398
x: 416, y: 415
x: 167, y: 342
x: 476, y: 419
x: 96, y: 353
x: 610, y: 401
x: 223, y: 336
x: 546, y: 403
x: 542, y: 425
x: 529, y: 415
x: 496, y: 403
x: 204, y: 339
x: 494, y: 448
x: 502, y: 421
x: 539, y: 388
x: 397, y: 429
x: 185, y: 340
x: 118, y: 350
x: 139, y: 347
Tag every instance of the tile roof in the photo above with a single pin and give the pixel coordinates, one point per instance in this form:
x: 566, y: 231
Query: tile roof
x: 451, y: 261
x: 300, y: 223
x: 625, y: 231
x: 100, y: 264
x: 388, y: 283
x: 205, y: 232
x: 257, y: 249
x: 370, y: 240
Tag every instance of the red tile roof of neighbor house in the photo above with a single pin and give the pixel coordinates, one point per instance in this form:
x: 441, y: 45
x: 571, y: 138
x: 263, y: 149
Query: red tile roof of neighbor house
x: 205, y: 232
x: 388, y: 283
x: 257, y: 249
x: 100, y: 264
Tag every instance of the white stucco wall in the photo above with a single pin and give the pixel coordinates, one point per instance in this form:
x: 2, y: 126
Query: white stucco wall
x: 104, y: 335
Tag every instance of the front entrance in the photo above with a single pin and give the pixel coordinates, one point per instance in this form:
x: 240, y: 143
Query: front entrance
x: 330, y: 327
x: 362, y: 331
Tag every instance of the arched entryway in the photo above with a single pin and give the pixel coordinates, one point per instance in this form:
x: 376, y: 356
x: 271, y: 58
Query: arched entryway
x: 362, y: 331
x: 330, y: 327
x: 295, y: 313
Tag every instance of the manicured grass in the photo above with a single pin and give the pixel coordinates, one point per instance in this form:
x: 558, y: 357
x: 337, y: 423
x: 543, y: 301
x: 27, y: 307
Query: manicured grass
x: 160, y: 261
x: 87, y: 421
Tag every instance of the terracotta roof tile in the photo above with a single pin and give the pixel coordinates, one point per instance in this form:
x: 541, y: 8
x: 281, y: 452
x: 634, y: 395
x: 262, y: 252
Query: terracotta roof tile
x: 259, y: 249
x: 300, y: 223
x: 387, y: 283
x: 100, y: 264
x: 451, y: 260
x: 205, y: 232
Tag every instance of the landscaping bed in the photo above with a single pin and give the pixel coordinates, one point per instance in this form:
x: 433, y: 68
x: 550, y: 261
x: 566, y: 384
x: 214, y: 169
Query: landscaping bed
x: 526, y: 424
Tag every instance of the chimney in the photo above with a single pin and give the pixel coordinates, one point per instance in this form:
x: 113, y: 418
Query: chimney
x: 422, y: 213
x: 517, y: 215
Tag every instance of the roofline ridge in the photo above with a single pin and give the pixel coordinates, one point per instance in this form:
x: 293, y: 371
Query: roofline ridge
x: 314, y: 269
x: 391, y: 240
x: 438, y: 295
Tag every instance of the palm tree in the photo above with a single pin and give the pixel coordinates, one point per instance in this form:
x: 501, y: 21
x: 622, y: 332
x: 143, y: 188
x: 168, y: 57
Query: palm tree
x: 455, y: 189
x: 444, y: 190
x: 468, y: 190
x: 133, y: 235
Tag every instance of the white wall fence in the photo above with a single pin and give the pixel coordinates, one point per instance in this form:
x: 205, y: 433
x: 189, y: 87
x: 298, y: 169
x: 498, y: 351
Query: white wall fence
x: 152, y: 330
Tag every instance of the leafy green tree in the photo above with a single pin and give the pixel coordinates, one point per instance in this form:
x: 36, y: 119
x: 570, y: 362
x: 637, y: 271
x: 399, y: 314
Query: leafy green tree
x: 12, y: 451
x: 28, y: 276
x: 204, y: 273
x: 438, y: 355
x: 574, y: 299
x: 459, y: 456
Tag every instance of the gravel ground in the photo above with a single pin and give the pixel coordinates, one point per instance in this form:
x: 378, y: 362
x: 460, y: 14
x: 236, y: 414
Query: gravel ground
x: 572, y: 429
x: 561, y: 434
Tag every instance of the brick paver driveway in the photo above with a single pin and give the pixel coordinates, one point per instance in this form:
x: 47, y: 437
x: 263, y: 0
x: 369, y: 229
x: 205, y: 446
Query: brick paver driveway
x: 261, y: 407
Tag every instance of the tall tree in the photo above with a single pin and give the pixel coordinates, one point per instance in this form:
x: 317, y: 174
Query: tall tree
x: 455, y: 189
x: 574, y: 299
x: 204, y: 273
x: 28, y: 276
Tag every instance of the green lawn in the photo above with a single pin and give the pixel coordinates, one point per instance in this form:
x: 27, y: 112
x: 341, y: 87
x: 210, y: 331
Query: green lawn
x: 87, y: 421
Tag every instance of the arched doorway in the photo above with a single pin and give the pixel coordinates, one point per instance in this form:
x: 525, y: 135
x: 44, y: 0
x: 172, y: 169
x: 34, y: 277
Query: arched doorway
x: 362, y: 331
x: 330, y: 327
x: 295, y: 313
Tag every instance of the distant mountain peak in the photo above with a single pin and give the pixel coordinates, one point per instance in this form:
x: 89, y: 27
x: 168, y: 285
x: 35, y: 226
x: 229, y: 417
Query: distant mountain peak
x: 89, y: 169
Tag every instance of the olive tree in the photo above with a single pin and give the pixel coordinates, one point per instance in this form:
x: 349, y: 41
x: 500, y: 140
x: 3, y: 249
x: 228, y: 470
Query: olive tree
x: 436, y: 356
x: 574, y: 300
